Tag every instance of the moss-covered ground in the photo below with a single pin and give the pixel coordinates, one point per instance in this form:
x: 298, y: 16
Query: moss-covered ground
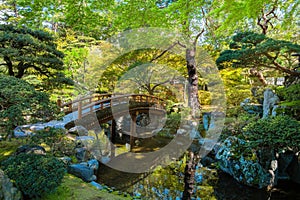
x: 72, y: 188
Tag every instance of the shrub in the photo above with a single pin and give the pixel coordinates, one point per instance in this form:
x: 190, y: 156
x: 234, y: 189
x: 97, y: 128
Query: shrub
x: 21, y: 104
x: 55, y: 139
x: 291, y: 100
x: 280, y: 132
x: 34, y: 174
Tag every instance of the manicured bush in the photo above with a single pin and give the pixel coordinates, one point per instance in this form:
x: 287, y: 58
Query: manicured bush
x: 21, y: 104
x: 34, y: 174
x: 291, y: 100
x: 55, y: 139
x: 280, y: 133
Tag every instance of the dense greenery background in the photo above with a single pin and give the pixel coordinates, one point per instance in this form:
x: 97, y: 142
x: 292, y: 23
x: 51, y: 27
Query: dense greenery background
x: 51, y: 49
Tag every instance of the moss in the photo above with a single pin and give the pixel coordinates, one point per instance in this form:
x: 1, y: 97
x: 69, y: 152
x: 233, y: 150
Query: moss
x: 7, y: 148
x: 74, y: 188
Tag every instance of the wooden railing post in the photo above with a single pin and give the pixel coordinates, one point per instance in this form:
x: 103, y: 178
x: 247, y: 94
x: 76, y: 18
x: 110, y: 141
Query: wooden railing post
x: 132, y: 130
x: 59, y: 102
x: 79, y: 109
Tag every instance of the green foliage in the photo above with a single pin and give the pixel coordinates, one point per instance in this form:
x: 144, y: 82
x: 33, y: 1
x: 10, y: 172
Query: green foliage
x: 21, y: 104
x: 55, y: 139
x: 280, y: 133
x: 291, y: 100
x: 172, y: 124
x: 205, y: 97
x: 254, y: 50
x: 291, y: 93
x: 33, y: 174
x: 237, y: 86
x: 234, y: 125
x: 28, y: 52
x: 243, y: 15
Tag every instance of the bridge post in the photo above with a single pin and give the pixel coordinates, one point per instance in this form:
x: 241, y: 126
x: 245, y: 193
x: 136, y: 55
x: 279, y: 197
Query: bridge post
x: 113, y: 131
x: 132, y: 129
x: 113, y: 137
x: 79, y: 109
x: 59, y: 102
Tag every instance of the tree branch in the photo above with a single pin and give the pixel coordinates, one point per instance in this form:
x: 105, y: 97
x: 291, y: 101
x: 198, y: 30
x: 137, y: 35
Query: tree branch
x: 165, y: 51
x: 197, y: 36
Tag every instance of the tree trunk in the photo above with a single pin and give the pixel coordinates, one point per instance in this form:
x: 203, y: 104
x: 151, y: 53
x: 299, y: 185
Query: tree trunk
x: 193, y: 99
x: 259, y: 75
x: 9, y: 66
x: 189, y: 177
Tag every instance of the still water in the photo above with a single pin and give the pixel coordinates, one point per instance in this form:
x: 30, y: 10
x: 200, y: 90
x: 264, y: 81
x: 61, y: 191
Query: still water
x: 166, y: 183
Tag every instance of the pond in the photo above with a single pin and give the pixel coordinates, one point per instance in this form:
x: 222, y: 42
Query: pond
x: 168, y: 182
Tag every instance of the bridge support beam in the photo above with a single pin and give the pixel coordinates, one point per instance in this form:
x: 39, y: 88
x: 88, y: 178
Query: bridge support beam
x: 132, y: 129
x: 113, y: 136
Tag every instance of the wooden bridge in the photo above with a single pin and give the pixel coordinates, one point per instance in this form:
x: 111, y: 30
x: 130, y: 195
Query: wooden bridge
x: 97, y: 102
x: 107, y: 107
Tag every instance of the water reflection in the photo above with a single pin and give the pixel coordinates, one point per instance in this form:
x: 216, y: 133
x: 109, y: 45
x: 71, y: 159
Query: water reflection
x: 167, y: 184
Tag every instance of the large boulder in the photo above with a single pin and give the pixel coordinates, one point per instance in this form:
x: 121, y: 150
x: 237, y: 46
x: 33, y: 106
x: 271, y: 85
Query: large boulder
x: 7, y: 190
x: 83, y: 147
x: 83, y: 171
x: 270, y: 101
x: 232, y: 160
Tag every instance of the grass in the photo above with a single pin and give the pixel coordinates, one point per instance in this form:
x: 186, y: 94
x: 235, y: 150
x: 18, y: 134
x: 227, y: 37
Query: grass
x: 74, y: 188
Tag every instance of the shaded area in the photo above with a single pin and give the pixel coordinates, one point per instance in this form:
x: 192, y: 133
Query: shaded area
x: 229, y: 189
x: 167, y: 182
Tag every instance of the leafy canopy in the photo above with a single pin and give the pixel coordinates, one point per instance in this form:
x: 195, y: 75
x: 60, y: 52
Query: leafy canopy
x: 26, y: 52
x: 254, y: 50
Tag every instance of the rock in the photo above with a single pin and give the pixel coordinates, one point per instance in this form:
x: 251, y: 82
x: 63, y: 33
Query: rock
x: 285, y: 159
x: 78, y: 130
x: 246, y: 171
x: 35, y: 149
x: 181, y: 131
x: 19, y: 132
x: 37, y: 127
x: 270, y: 100
x: 97, y: 185
x: 82, y: 171
x: 7, y: 190
x: 66, y: 160
x: 83, y: 147
x: 80, y: 153
x: 251, y: 108
x: 93, y: 164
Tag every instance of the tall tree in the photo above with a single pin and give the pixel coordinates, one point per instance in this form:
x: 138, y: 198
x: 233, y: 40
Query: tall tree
x: 27, y: 52
x: 185, y: 16
x: 258, y: 52
x: 86, y: 17
x: 268, y: 16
